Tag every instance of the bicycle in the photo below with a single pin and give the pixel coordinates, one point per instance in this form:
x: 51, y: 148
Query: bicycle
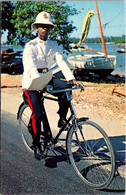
x: 87, y: 146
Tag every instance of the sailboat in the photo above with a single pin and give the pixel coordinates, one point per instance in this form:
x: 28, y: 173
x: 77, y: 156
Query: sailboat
x: 122, y: 50
x: 99, y: 63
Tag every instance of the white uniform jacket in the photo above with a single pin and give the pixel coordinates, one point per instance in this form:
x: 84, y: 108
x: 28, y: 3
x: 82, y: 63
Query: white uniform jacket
x: 40, y: 54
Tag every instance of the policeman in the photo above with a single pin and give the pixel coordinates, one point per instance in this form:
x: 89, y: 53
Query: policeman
x: 39, y: 55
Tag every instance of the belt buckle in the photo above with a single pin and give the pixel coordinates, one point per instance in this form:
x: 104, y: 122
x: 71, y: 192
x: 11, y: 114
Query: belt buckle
x: 44, y: 70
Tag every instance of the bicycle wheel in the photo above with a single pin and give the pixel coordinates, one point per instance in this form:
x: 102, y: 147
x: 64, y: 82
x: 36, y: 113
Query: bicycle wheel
x: 91, y: 154
x: 24, y: 119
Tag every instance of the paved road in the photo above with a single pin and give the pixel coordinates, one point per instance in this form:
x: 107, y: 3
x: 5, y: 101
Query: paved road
x: 22, y: 174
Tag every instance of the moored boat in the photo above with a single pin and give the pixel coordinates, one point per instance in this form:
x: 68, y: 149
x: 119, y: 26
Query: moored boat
x: 11, y: 61
x: 122, y: 50
x: 95, y: 63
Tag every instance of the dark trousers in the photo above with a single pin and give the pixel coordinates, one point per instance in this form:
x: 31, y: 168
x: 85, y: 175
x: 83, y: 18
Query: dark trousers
x: 33, y: 99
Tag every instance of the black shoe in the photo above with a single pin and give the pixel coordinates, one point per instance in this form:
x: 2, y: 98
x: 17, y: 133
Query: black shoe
x: 38, y: 153
x: 61, y: 122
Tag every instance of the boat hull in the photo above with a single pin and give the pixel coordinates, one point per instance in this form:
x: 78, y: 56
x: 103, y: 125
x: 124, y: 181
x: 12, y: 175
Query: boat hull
x: 94, y: 63
x: 121, y: 51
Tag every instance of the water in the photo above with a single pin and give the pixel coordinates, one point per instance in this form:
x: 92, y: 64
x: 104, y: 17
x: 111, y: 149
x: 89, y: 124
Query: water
x: 111, y: 49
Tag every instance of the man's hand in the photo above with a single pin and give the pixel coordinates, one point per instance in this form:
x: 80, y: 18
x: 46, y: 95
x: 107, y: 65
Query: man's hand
x: 75, y: 82
x: 41, y: 91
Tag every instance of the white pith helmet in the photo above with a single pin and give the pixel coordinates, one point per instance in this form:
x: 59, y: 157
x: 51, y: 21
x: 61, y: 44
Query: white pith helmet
x: 42, y: 18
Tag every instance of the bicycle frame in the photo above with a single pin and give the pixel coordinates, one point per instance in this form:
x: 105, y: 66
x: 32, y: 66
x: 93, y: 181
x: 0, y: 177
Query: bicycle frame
x: 46, y: 127
x: 45, y: 121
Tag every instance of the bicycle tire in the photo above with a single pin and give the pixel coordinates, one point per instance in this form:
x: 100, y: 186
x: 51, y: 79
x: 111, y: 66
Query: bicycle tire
x: 24, y: 118
x: 91, y: 153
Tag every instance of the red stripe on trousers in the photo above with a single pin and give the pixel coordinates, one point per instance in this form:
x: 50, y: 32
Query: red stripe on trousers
x: 33, y: 114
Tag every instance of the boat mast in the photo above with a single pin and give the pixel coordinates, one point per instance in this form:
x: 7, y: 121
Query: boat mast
x: 102, y: 37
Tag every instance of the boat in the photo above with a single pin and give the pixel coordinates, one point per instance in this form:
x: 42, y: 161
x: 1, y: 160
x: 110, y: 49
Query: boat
x: 89, y: 63
x: 122, y: 50
x: 11, y: 61
x: 8, y: 53
x: 99, y: 63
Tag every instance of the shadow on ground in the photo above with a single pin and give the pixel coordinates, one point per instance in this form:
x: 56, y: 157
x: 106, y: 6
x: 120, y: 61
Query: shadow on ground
x: 118, y: 183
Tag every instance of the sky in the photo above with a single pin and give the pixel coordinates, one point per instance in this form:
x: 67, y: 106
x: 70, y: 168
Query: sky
x: 111, y: 12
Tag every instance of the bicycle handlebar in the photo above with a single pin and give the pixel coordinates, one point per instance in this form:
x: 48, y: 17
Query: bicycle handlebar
x: 49, y: 89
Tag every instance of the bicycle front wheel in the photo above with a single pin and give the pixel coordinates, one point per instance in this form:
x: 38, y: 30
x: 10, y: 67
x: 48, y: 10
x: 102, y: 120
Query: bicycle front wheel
x: 24, y: 124
x: 91, y: 154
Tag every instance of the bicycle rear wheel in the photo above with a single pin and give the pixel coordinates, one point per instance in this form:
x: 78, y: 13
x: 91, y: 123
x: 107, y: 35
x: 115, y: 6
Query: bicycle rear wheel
x: 91, y: 154
x: 24, y: 124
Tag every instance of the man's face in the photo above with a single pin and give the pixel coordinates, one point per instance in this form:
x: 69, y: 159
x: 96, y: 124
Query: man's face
x: 43, y: 31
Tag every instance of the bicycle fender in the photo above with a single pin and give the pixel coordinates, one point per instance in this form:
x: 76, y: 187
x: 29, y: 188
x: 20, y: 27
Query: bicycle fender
x: 21, y: 105
x: 83, y: 119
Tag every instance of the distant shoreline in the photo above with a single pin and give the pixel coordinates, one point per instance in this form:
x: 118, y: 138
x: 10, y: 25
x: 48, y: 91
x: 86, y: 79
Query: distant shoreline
x: 107, y: 43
